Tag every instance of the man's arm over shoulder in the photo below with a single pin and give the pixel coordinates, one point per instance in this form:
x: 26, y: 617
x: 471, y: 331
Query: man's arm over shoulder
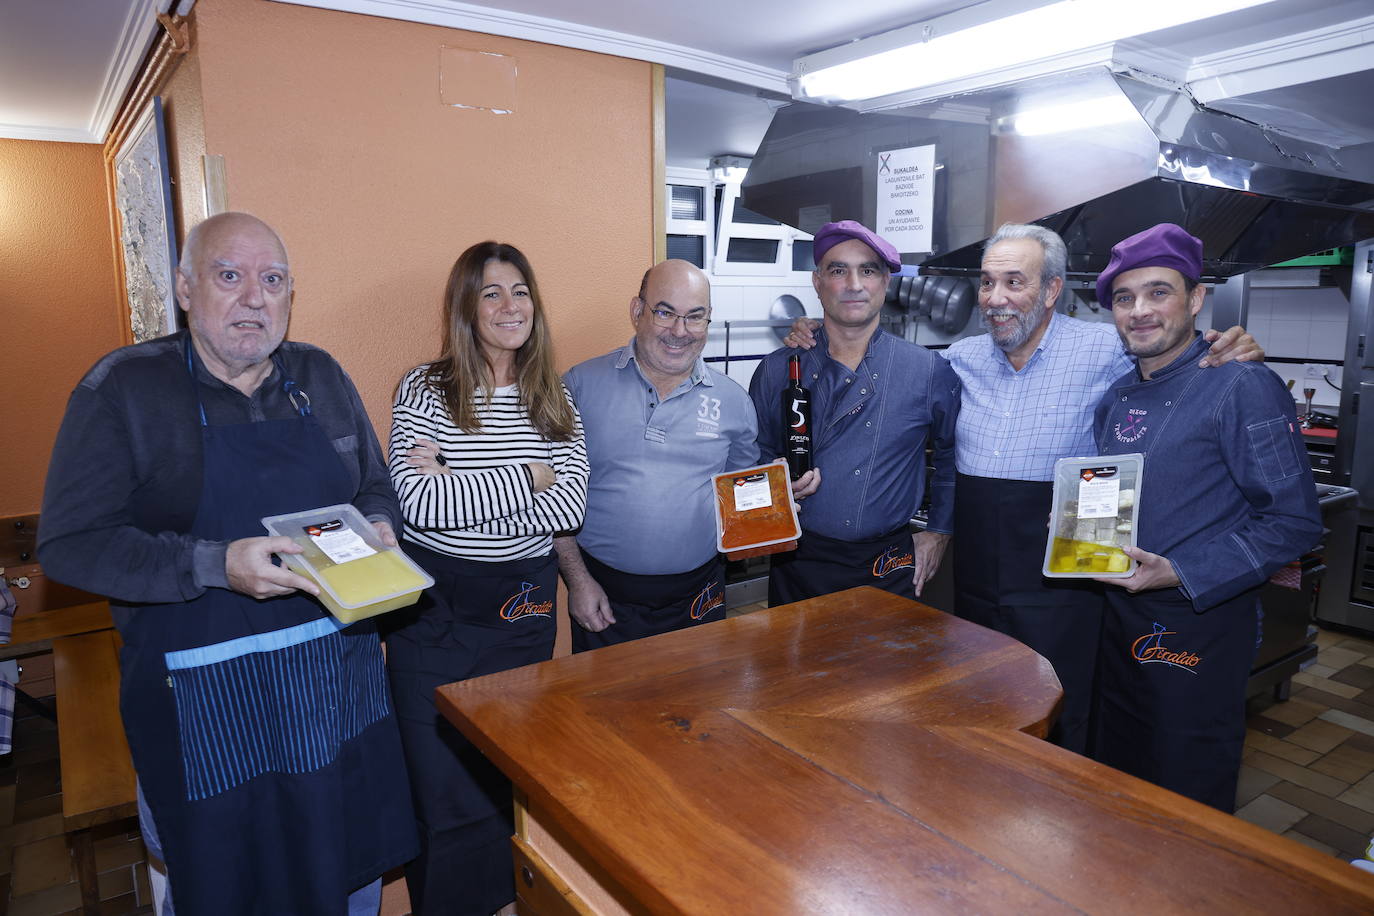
x: 1263, y: 450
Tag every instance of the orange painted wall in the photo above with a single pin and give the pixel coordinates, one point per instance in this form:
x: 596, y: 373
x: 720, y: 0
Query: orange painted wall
x: 333, y: 131
x: 59, y: 308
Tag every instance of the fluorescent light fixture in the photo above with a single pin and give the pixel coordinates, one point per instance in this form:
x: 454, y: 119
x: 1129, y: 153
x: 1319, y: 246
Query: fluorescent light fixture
x: 1101, y: 111
x: 729, y: 169
x: 955, y: 47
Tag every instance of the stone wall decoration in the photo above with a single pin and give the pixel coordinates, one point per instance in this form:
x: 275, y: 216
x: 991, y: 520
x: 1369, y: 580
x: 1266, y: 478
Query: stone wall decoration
x: 147, y: 233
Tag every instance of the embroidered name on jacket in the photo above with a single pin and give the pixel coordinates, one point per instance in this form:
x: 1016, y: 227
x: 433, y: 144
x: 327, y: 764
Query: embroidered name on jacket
x: 1133, y: 428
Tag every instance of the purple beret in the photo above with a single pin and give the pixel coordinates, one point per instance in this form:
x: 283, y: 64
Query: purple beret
x: 832, y: 234
x: 1164, y: 245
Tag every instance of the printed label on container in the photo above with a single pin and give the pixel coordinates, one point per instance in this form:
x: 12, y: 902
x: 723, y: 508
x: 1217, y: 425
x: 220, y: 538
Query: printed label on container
x: 338, y: 541
x: 751, y: 492
x: 1099, y: 492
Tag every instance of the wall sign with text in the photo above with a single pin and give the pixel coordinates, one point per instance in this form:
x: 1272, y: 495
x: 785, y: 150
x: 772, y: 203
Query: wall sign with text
x: 906, y: 198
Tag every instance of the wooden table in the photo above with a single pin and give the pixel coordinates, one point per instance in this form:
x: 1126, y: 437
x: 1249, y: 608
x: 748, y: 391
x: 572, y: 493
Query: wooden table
x: 858, y: 753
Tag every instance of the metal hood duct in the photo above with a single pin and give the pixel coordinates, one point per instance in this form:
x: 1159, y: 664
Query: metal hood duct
x: 1094, y: 155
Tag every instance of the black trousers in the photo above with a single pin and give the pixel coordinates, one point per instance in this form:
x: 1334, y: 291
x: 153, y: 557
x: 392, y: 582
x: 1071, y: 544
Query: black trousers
x: 1000, y: 527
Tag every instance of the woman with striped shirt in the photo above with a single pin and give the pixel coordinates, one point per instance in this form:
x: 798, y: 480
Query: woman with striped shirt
x: 489, y: 461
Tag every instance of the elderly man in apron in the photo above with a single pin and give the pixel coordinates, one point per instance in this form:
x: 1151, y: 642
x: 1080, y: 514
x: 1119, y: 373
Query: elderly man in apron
x: 269, y: 764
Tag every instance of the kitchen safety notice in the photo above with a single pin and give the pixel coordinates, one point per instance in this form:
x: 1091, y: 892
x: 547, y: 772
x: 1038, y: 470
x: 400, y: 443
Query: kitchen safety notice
x: 906, y: 199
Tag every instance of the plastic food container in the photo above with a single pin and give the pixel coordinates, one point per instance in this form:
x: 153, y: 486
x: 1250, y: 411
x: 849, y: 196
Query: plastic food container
x: 357, y: 574
x: 755, y: 513
x: 1093, y: 516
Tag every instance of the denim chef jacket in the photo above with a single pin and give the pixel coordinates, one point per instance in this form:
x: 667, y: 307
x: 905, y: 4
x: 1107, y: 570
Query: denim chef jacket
x: 870, y: 429
x: 1227, y: 494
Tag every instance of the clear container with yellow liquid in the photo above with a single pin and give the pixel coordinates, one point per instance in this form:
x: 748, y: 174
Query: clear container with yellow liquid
x: 358, y: 575
x: 1093, y: 516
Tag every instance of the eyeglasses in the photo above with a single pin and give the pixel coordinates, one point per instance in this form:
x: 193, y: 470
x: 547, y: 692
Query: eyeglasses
x: 667, y: 318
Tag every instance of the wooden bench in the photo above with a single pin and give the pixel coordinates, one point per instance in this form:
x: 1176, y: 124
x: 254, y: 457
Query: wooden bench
x: 37, y: 627
x: 97, y: 772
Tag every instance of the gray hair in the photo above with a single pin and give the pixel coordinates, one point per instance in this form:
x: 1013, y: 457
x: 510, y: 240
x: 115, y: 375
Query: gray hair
x: 1056, y: 259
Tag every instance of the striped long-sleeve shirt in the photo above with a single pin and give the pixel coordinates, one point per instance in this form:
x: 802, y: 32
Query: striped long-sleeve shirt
x: 484, y: 508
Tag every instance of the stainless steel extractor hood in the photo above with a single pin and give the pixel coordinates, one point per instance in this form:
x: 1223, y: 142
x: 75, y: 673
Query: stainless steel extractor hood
x: 1094, y: 155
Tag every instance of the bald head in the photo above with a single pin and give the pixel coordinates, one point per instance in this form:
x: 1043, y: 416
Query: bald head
x: 210, y: 227
x: 670, y: 316
x: 235, y: 286
x: 675, y: 271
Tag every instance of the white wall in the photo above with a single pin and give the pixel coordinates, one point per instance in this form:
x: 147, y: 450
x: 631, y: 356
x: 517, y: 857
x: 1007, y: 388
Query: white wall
x: 748, y: 299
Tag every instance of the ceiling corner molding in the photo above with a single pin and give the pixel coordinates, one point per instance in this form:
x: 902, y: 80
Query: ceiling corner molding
x: 475, y: 18
x: 50, y: 134
x: 1333, y: 50
x: 137, y: 35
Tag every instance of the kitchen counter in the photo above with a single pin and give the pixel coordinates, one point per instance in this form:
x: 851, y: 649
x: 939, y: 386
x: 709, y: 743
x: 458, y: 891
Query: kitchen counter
x: 857, y: 753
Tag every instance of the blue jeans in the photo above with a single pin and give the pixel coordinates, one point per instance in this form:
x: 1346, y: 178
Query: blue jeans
x: 366, y: 901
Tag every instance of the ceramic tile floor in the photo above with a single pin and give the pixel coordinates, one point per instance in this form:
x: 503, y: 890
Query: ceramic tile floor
x: 1308, y: 774
x: 1308, y: 771
x: 36, y: 873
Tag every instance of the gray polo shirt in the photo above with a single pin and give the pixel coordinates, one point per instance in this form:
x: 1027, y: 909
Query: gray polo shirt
x: 650, y: 507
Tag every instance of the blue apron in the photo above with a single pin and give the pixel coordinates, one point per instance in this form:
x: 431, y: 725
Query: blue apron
x: 822, y: 565
x: 262, y: 731
x: 1171, y: 694
x: 649, y: 605
x: 999, y: 553
x: 479, y: 618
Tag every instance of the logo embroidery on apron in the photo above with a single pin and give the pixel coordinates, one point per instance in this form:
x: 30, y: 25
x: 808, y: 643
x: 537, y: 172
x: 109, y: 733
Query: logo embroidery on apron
x: 1150, y: 650
x: 706, y: 601
x: 891, y: 560
x: 519, y: 605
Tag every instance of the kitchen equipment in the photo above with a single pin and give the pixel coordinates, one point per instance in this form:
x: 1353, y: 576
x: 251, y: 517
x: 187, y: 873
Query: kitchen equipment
x: 1094, y: 155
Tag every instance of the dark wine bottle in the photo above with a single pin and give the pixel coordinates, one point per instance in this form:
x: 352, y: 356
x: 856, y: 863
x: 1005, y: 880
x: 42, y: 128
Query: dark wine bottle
x: 796, y: 421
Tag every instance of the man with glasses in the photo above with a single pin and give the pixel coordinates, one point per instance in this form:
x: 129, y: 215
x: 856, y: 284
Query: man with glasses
x: 659, y: 424
x: 876, y: 402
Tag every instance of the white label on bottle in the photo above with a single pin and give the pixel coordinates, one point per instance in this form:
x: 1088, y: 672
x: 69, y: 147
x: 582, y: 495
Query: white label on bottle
x: 1098, y: 497
x: 338, y: 541
x: 752, y: 492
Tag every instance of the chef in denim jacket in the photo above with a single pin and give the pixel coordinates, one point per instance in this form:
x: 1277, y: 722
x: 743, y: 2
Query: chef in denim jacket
x: 1226, y: 499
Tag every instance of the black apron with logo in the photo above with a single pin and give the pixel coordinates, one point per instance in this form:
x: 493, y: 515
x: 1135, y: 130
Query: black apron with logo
x: 1000, y: 529
x: 261, y: 731
x: 1171, y: 693
x: 649, y: 605
x: 821, y: 565
x: 479, y: 618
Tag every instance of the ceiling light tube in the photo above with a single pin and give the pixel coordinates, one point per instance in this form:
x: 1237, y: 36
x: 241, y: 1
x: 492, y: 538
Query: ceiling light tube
x: 955, y: 47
